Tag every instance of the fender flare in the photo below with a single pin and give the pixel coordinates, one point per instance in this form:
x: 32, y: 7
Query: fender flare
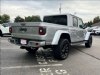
x: 57, y: 36
x: 87, y: 35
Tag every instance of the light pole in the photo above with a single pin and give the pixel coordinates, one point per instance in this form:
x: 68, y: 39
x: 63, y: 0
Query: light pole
x: 75, y: 13
x: 60, y: 8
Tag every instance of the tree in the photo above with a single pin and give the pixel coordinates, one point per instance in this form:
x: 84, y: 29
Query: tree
x: 88, y: 24
x: 4, y: 18
x: 19, y: 19
x: 36, y: 18
x: 96, y: 19
x: 32, y: 19
x: 28, y: 19
x: 0, y: 19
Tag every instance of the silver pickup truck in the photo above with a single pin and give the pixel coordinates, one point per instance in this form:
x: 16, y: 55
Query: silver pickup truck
x: 58, y: 32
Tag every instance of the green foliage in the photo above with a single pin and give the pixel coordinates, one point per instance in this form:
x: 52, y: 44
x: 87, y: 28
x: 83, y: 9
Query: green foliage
x: 88, y: 24
x: 4, y: 18
x: 32, y: 19
x: 28, y: 19
x: 96, y: 19
x: 0, y: 19
x: 19, y: 19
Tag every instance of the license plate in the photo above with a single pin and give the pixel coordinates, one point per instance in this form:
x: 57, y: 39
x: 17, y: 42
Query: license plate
x: 23, y: 41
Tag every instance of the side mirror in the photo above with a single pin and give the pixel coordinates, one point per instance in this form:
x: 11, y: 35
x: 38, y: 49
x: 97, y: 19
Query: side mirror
x: 81, y: 26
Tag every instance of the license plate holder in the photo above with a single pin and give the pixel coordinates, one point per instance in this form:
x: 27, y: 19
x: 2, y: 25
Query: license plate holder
x: 23, y: 41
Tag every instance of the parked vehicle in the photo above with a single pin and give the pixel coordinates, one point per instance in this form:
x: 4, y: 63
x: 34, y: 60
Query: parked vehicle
x: 58, y: 32
x: 4, y: 29
x: 93, y: 29
x: 89, y: 29
x: 96, y: 31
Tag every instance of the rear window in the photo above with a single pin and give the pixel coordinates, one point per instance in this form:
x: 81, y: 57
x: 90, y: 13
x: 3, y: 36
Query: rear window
x: 58, y: 19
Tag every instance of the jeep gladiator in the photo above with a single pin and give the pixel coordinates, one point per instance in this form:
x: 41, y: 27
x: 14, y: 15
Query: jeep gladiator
x: 57, y: 32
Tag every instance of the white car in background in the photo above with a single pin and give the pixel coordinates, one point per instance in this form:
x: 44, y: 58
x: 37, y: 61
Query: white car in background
x: 92, y: 29
x: 89, y: 29
x: 97, y: 30
x: 4, y: 29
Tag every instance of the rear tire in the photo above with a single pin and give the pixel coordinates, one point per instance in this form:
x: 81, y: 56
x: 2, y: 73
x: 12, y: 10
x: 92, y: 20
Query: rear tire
x: 88, y: 44
x: 31, y: 50
x: 61, y: 51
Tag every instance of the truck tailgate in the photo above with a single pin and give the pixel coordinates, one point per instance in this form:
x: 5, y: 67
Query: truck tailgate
x: 27, y: 30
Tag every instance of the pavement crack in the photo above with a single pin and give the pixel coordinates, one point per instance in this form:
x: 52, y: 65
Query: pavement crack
x: 87, y: 54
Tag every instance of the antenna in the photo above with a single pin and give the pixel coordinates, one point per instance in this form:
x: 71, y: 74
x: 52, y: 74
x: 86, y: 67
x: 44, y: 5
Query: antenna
x: 60, y: 8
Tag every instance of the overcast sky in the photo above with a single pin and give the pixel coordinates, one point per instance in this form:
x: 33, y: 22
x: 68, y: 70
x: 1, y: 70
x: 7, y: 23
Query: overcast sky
x: 87, y: 9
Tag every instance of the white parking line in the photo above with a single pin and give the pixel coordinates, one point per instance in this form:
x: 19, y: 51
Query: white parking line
x: 31, y: 66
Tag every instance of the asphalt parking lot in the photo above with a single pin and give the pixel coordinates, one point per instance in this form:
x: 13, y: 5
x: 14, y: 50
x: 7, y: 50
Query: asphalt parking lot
x: 81, y: 60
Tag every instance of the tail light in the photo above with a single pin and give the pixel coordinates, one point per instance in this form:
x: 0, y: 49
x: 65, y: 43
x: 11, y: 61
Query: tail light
x: 10, y: 29
x: 42, y: 30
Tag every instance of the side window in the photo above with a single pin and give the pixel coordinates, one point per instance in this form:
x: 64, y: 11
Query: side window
x: 80, y: 23
x: 75, y: 22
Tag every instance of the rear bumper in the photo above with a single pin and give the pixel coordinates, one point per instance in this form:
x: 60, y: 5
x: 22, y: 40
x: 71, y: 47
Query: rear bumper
x: 30, y: 43
x: 6, y: 33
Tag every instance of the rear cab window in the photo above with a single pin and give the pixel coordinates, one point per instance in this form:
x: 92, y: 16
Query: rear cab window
x: 56, y: 19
